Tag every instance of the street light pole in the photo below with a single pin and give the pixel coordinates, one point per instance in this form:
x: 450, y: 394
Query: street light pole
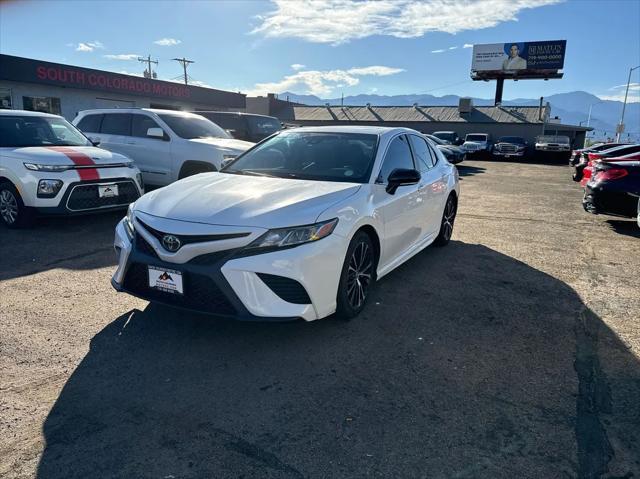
x: 624, y: 106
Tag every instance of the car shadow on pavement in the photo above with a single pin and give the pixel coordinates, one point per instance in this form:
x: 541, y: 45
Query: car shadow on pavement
x: 54, y: 243
x: 469, y: 170
x: 625, y: 227
x: 465, y: 363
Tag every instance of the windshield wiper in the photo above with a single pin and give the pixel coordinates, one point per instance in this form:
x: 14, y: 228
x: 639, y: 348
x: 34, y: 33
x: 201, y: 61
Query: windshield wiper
x: 248, y: 172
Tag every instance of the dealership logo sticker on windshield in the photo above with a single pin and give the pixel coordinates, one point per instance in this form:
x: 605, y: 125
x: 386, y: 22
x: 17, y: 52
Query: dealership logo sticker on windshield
x: 167, y: 280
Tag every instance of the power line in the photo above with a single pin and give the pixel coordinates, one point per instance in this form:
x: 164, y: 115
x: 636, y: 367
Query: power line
x: 185, y: 63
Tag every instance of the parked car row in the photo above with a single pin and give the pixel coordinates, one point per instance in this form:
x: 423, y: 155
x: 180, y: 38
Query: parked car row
x: 610, y: 176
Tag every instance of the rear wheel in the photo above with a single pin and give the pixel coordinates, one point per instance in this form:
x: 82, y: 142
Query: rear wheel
x: 357, y: 277
x: 446, y: 224
x: 13, y: 212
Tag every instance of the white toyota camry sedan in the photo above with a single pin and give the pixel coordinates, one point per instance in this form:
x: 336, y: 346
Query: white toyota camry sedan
x: 299, y: 226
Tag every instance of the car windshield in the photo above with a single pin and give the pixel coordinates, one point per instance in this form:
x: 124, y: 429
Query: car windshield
x: 191, y: 127
x: 553, y: 139
x: 511, y: 139
x: 444, y: 135
x: 437, y: 140
x: 308, y: 155
x: 476, y: 138
x: 263, y: 125
x: 22, y: 131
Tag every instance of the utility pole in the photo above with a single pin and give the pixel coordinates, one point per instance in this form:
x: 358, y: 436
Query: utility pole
x: 620, y: 128
x: 185, y: 63
x: 148, y: 72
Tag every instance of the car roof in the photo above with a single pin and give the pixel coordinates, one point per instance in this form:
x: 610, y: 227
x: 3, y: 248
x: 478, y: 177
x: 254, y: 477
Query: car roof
x: 27, y: 113
x: 445, y: 131
x: 363, y: 129
x: 240, y: 113
x: 137, y: 110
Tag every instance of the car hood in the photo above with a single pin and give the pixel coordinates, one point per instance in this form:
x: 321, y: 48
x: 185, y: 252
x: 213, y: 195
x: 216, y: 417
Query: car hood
x: 230, y: 144
x: 239, y: 200
x: 61, y: 155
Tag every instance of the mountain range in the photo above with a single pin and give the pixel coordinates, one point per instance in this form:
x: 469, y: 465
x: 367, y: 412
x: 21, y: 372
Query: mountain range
x: 572, y: 107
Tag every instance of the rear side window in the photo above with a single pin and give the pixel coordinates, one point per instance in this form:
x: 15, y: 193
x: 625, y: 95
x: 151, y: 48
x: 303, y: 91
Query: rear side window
x: 398, y: 156
x: 140, y: 124
x: 90, y: 123
x: 625, y: 151
x: 116, y: 124
x: 421, y: 153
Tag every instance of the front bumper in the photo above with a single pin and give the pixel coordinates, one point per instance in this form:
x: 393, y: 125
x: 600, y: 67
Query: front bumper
x: 82, y: 197
x: 508, y: 154
x: 227, y: 283
x: 599, y: 200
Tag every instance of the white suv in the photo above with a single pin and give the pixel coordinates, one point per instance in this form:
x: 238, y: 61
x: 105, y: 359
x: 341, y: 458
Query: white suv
x: 166, y: 145
x: 48, y: 167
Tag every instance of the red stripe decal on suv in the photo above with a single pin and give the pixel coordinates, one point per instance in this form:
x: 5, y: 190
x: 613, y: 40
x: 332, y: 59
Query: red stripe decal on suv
x: 79, y: 159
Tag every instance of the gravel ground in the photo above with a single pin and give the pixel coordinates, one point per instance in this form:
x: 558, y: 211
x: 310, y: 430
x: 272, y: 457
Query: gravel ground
x: 513, y: 352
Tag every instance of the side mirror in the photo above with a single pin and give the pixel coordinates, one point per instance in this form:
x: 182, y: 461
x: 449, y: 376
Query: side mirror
x: 155, y: 133
x: 94, y: 141
x: 401, y: 177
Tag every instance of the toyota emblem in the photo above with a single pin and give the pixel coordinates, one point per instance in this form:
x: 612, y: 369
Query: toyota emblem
x: 171, y: 243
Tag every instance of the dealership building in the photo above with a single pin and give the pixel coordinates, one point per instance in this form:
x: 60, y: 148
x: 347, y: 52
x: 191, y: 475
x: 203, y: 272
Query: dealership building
x: 524, y: 121
x: 28, y: 84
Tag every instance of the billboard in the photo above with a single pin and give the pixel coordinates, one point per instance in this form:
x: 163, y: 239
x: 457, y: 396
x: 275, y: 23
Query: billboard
x: 520, y: 60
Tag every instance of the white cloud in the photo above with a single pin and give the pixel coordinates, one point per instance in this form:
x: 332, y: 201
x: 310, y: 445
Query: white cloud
x: 88, y: 46
x: 632, y: 87
x: 123, y: 56
x: 467, y: 45
x: 316, y: 82
x: 632, y: 98
x: 437, y: 51
x: 167, y: 42
x: 339, y: 21
x: 453, y: 48
x: 297, y: 66
x: 125, y: 72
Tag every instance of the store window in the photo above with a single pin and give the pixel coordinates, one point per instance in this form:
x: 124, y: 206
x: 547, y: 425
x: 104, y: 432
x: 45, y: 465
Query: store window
x: 5, y: 98
x: 42, y: 103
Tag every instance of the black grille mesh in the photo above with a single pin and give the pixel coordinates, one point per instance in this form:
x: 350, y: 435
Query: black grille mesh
x: 85, y: 197
x: 288, y: 289
x: 200, y: 292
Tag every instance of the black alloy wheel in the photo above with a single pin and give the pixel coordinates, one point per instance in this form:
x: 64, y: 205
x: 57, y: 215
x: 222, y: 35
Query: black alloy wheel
x: 358, y: 276
x: 448, y: 219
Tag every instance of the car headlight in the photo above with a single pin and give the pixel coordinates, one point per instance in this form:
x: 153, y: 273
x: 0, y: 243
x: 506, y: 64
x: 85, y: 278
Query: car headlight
x: 287, y: 237
x: 50, y: 168
x: 49, y: 188
x: 128, y: 222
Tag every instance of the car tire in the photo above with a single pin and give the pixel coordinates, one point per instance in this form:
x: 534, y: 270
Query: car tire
x: 13, y: 213
x: 448, y: 219
x: 357, y: 277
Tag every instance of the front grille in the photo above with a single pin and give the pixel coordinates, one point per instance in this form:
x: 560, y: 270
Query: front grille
x: 286, y: 288
x: 188, y: 239
x: 507, y: 148
x: 209, y: 259
x: 200, y: 292
x: 85, y: 196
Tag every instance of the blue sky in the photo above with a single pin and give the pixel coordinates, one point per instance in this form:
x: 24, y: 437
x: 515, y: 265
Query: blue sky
x: 327, y: 47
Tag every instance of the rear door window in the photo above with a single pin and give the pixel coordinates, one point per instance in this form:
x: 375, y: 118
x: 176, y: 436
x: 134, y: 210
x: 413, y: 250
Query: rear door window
x: 140, y: 124
x: 90, y: 123
x: 116, y: 124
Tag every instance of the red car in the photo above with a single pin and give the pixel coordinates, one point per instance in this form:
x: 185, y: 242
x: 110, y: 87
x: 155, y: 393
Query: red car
x: 615, y: 152
x: 588, y: 170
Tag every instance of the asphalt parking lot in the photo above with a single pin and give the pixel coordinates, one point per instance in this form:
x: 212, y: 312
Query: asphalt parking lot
x: 513, y: 352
